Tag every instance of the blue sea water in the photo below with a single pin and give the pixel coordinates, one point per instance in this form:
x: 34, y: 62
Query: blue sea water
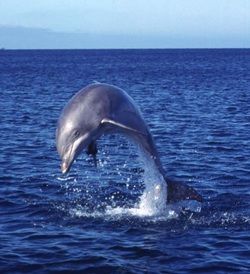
x: 197, y: 105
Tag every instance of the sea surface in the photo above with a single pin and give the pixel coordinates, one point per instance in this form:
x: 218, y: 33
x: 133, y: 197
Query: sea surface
x: 197, y: 106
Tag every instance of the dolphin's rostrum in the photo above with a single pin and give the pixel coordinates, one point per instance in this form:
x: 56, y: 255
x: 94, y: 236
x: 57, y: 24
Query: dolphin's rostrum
x: 101, y: 108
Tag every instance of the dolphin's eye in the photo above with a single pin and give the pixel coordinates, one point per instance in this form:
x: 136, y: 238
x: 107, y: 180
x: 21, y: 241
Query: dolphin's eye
x: 76, y: 134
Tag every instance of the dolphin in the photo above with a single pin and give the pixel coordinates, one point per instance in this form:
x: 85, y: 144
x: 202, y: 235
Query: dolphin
x: 101, y: 109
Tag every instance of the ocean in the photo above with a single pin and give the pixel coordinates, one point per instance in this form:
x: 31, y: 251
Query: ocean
x: 196, y: 103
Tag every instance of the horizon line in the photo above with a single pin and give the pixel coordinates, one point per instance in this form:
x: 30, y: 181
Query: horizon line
x: 129, y: 48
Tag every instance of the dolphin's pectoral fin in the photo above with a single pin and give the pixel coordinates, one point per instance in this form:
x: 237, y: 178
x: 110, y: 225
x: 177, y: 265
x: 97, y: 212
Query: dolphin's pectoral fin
x: 92, y: 150
x: 120, y: 125
x: 179, y: 191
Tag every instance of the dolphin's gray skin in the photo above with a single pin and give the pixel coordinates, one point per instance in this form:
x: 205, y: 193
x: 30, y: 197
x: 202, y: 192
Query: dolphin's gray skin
x: 101, y: 108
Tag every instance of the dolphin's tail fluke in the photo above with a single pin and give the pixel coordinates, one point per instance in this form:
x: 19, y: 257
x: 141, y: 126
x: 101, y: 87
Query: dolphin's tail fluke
x: 180, y: 191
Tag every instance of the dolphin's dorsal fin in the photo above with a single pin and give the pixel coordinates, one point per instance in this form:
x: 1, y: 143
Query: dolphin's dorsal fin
x: 120, y: 125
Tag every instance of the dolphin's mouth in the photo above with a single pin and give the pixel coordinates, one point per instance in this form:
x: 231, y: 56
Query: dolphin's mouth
x: 67, y: 161
x: 72, y: 152
x: 65, y: 167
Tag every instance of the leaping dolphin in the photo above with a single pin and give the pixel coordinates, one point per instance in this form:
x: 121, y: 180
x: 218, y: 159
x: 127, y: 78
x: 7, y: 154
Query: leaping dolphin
x: 98, y: 109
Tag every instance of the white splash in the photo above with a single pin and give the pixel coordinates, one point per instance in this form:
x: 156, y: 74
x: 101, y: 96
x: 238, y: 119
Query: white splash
x: 154, y: 198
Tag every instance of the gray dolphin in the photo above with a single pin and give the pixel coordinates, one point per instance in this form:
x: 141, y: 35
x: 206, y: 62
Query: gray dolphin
x: 98, y: 109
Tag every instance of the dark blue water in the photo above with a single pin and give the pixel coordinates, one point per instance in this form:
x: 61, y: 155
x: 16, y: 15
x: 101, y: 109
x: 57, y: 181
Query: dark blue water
x: 197, y: 105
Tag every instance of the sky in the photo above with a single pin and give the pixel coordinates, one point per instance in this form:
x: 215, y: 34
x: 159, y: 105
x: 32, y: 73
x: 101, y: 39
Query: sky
x: 49, y: 24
